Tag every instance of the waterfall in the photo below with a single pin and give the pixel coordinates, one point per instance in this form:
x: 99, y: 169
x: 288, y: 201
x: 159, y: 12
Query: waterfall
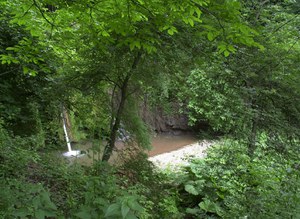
x: 70, y: 152
x: 66, y: 133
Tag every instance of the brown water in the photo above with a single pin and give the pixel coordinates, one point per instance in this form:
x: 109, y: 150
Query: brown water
x: 161, y: 143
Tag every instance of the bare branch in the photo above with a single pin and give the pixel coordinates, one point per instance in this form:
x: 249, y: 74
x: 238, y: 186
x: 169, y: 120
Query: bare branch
x: 7, y: 72
x: 212, y: 14
x: 282, y: 25
x: 112, y: 81
x: 42, y: 13
x: 142, y: 6
x: 26, y: 12
x: 259, y: 10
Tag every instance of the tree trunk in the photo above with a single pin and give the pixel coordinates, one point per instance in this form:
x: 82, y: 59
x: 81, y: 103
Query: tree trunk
x: 117, y: 119
x: 116, y: 124
x: 252, y: 137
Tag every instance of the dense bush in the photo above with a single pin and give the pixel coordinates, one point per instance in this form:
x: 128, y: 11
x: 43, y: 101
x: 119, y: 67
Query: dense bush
x: 230, y: 184
x: 155, y: 189
x: 20, y: 197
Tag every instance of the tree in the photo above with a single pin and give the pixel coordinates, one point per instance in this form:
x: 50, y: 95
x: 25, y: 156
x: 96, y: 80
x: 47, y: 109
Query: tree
x: 128, y: 32
x: 26, y: 104
x: 248, y: 93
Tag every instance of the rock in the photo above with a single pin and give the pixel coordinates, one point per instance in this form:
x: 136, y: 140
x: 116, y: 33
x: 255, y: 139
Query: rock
x: 160, y: 121
x: 178, y: 158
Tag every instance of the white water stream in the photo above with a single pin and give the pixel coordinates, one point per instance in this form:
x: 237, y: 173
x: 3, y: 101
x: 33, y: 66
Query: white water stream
x: 70, y: 152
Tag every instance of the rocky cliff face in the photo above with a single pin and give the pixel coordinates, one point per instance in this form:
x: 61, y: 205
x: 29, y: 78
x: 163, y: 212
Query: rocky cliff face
x: 161, y: 121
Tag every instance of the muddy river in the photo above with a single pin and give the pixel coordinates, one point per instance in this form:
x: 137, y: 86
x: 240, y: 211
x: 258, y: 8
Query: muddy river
x: 161, y: 143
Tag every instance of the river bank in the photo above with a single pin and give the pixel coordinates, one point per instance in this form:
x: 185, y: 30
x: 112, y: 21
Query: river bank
x: 168, y: 151
x: 178, y: 158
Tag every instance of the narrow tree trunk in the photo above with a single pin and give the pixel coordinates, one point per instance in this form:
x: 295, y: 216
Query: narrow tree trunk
x: 116, y: 124
x: 252, y: 137
x: 117, y: 119
x: 252, y: 133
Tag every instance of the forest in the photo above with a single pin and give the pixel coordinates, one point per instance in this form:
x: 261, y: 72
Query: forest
x: 84, y: 72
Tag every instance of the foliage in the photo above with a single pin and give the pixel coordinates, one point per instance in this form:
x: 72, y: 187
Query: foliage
x: 27, y: 104
x: 154, y: 188
x: 229, y: 184
x: 135, y: 126
x: 102, y: 198
x: 22, y: 200
x: 16, y: 149
x: 221, y: 103
x: 248, y: 92
x: 231, y: 64
x: 126, y: 34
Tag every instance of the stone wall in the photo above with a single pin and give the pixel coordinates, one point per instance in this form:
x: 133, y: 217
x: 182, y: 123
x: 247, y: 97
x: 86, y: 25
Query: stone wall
x: 161, y: 121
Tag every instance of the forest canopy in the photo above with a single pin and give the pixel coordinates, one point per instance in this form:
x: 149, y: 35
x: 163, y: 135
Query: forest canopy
x: 232, y: 67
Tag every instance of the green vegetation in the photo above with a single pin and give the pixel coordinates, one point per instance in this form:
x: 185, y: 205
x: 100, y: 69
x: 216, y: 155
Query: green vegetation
x: 230, y: 184
x: 232, y: 66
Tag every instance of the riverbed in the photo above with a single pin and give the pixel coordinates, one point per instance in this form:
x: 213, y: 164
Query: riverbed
x: 165, y: 147
x: 176, y: 159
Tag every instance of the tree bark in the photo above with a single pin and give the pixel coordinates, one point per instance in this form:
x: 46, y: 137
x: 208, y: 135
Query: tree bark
x: 117, y: 118
x: 252, y: 137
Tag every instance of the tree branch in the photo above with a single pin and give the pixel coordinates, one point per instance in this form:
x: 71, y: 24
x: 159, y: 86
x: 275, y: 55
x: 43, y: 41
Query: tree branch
x: 6, y: 72
x: 282, y: 25
x: 26, y: 12
x: 212, y: 14
x: 42, y: 13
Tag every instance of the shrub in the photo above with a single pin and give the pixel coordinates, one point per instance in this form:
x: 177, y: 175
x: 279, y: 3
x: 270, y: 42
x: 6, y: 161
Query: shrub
x: 156, y: 192
x: 19, y: 199
x: 229, y: 184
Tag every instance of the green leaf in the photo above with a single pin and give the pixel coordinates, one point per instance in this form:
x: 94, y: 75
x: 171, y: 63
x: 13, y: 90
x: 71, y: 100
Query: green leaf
x: 226, y: 53
x: 134, y: 44
x: 40, y: 214
x: 222, y: 47
x: 131, y: 46
x: 207, y: 205
x: 210, y: 36
x: 113, y: 209
x: 193, y: 211
x: 191, y: 189
x: 141, y: 2
x: 198, y: 12
x: 25, y: 70
x: 36, y: 202
x: 210, y: 206
x: 124, y: 209
x: 11, y: 49
x: 83, y: 215
x: 105, y: 34
x: 50, y: 213
x: 22, y: 213
x: 134, y: 205
x: 170, y: 31
x: 191, y: 22
x: 231, y: 48
x: 131, y: 216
